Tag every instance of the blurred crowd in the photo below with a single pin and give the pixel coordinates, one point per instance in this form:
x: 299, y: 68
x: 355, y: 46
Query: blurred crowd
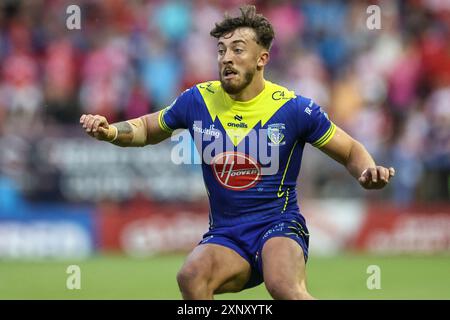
x: 388, y: 87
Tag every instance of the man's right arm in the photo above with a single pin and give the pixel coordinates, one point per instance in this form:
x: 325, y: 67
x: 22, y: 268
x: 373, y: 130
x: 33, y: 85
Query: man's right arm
x: 136, y: 132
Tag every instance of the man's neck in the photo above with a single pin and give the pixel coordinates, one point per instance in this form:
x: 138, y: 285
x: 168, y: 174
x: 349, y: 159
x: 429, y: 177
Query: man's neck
x: 251, y: 91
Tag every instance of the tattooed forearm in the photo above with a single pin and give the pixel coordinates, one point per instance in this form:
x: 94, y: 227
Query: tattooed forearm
x: 124, y: 134
x: 123, y: 127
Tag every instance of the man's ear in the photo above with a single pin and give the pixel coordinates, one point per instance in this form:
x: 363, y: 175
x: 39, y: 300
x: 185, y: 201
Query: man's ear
x: 262, y: 60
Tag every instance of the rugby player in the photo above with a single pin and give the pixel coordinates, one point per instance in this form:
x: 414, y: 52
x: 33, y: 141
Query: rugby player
x: 257, y: 232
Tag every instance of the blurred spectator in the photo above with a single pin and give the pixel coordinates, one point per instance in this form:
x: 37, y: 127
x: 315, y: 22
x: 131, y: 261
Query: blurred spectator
x: 11, y: 199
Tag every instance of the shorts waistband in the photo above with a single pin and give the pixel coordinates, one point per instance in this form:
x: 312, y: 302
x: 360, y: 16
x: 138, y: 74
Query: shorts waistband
x: 228, y: 221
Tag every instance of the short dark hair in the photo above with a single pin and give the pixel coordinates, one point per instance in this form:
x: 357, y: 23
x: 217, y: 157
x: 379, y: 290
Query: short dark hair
x: 250, y: 19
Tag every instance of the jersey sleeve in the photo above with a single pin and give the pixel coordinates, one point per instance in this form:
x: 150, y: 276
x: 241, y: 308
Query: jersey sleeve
x: 318, y: 129
x: 175, y: 116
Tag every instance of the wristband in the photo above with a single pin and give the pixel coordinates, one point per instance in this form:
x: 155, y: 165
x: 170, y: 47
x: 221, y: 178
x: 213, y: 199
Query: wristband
x: 111, y: 134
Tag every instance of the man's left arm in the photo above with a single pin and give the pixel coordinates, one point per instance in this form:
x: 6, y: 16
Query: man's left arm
x: 354, y: 156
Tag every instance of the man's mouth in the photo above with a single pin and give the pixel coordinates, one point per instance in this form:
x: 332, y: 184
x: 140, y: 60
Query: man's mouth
x: 229, y: 73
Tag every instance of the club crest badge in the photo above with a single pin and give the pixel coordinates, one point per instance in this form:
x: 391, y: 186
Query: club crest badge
x: 276, y: 134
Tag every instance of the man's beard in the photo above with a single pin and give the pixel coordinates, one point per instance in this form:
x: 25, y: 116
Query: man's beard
x: 231, y: 88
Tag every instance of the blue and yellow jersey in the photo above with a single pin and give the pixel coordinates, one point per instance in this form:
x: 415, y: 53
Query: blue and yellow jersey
x: 251, y: 151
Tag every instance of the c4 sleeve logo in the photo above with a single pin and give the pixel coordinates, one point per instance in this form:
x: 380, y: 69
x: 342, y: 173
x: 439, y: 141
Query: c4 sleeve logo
x: 279, y: 95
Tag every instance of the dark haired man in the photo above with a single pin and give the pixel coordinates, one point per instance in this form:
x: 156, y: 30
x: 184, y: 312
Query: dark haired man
x: 257, y: 232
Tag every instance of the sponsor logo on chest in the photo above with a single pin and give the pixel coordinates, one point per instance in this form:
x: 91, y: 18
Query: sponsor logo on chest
x: 236, y: 171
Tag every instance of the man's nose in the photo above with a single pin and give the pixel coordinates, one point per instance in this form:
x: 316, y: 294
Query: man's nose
x: 227, y: 57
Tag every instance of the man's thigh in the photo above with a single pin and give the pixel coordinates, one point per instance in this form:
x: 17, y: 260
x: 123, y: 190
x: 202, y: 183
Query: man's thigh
x: 284, y: 268
x: 222, y: 267
x: 284, y: 245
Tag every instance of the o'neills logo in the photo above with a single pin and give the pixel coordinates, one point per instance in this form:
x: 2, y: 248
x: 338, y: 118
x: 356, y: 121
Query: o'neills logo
x: 237, y: 125
x: 236, y: 171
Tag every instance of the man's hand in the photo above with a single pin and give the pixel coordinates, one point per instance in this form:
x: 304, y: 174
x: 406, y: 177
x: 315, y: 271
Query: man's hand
x: 376, y: 177
x: 98, y: 127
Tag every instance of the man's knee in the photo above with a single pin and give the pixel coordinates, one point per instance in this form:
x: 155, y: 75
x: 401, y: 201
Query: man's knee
x: 192, y: 278
x: 280, y: 289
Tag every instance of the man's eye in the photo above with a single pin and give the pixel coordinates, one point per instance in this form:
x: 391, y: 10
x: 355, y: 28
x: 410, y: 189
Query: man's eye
x: 237, y: 50
x: 221, y: 52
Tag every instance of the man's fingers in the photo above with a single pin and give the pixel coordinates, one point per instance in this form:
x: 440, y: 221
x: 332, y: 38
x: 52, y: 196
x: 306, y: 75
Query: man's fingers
x: 101, y: 123
x: 102, y: 131
x: 373, y: 174
x: 84, y: 119
x: 89, y: 123
x: 391, y: 172
x: 376, y: 178
x: 381, y: 174
x: 365, y: 176
x: 95, y: 124
x: 384, y: 174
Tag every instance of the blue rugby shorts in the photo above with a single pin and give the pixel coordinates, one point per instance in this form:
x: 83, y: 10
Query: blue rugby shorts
x: 248, y: 239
